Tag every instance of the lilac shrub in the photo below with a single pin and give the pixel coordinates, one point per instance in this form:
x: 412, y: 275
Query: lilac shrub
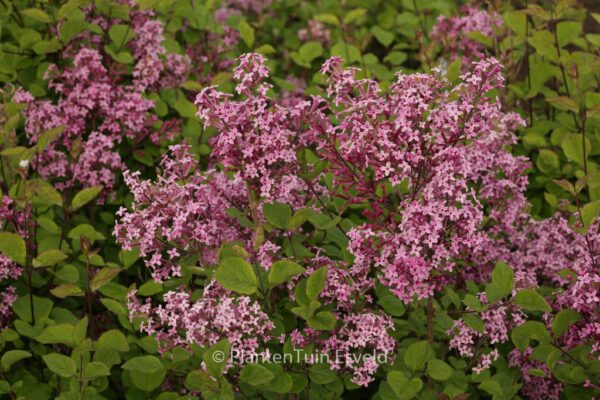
x: 427, y: 171
x: 175, y: 226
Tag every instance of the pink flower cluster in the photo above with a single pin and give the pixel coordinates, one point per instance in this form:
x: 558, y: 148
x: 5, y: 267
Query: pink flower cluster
x: 540, y: 250
x: 443, y: 152
x: 156, y: 69
x: 535, y: 387
x: 256, y: 141
x: 216, y: 315
x: 547, y: 252
x: 498, y: 320
x: 289, y: 98
x: 315, y: 31
x: 97, y: 106
x: 358, y: 346
x: 452, y: 32
x: 255, y: 6
x: 8, y: 270
x: 18, y: 220
x: 183, y: 214
x: 345, y: 286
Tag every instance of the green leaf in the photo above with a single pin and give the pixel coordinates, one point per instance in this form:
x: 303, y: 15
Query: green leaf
x: 48, y: 195
x: 396, y: 57
x: 121, y: 34
x: 200, y: 381
x: 123, y: 57
x: 563, y: 103
x: 67, y: 10
x: 474, y: 322
x: 300, y: 292
x: 87, y: 231
x: 491, y: 387
x: 85, y: 196
x: 567, y: 31
x: 216, y: 357
x: 547, y: 161
x: 55, y: 334
x: 529, y: 299
x: 47, y: 46
x: 13, y: 247
x: 300, y: 216
x: 502, y: 283
x: 114, y: 306
x: 112, y: 340
x: 246, y: 32
x: 316, y: 283
x: 543, y: 41
x: 473, y: 302
x: 237, y: 274
x: 324, y: 221
x: 347, y: 51
x: 392, y: 305
x: 322, y: 321
x: 233, y: 249
x: 147, y: 381
x: 322, y: 374
x: 303, y: 312
x: 417, y: 355
x: 71, y: 28
x: 192, y: 86
x: 185, y: 108
x: 277, y: 214
x: 328, y: 19
x: 104, y: 276
x: 563, y: 321
x: 530, y: 330
x: 48, y: 137
x: 282, y: 383
x: 60, y: 365
x: 310, y: 50
x: 42, y: 307
x: 353, y: 15
x: 144, y: 364
x: 282, y: 271
x: 13, y: 356
x: 37, y: 14
x: 49, y: 258
x: 265, y: 49
x: 516, y: 21
x: 255, y: 375
x: 384, y: 37
x: 403, y: 388
x: 569, y: 373
x: 16, y: 151
x: 66, y: 290
x: 95, y: 369
x: 129, y: 257
x: 590, y: 213
x: 150, y: 288
x: 537, y: 372
x: 80, y: 330
x: 479, y: 37
x: 565, y: 185
x: 439, y: 370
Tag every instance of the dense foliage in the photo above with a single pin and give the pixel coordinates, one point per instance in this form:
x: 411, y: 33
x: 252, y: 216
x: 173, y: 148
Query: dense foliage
x: 289, y: 199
